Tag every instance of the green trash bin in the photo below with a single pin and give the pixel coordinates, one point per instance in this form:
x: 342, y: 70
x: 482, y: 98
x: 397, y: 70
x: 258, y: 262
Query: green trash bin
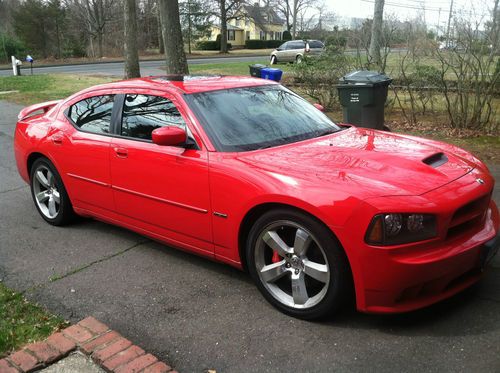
x: 362, y: 96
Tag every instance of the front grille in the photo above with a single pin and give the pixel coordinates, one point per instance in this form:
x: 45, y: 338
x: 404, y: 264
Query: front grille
x: 469, y: 216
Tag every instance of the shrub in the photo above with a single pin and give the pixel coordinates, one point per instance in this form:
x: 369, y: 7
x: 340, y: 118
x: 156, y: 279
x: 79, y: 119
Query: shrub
x: 210, y: 45
x: 255, y: 44
x: 273, y: 43
x: 320, y: 76
x: 261, y: 44
x: 287, y: 35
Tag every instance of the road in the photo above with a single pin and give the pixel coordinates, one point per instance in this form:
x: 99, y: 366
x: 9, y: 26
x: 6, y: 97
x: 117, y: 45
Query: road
x: 116, y: 68
x: 197, y: 315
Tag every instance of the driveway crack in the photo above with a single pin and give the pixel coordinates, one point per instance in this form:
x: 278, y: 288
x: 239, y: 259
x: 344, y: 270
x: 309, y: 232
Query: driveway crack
x: 103, y: 259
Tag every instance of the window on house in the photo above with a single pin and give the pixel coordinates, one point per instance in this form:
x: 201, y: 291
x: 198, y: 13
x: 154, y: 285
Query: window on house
x: 247, y: 35
x: 247, y: 21
x: 230, y: 35
x: 262, y: 35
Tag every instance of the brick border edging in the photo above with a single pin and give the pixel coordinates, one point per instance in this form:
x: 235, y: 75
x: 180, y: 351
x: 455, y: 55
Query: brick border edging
x: 108, y: 349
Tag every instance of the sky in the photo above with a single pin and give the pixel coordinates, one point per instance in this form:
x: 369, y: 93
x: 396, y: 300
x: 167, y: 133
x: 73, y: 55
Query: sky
x: 478, y: 10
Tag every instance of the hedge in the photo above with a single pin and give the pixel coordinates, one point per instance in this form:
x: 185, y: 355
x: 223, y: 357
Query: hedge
x: 210, y: 45
x: 261, y: 44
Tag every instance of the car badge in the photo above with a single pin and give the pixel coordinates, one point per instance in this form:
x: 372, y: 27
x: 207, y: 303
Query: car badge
x: 480, y: 181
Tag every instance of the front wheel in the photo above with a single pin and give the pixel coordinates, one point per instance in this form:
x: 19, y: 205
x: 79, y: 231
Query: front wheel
x: 297, y: 264
x: 49, y: 193
x: 274, y: 60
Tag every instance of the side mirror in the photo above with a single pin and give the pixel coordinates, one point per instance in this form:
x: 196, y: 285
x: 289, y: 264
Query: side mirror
x: 319, y: 107
x: 169, y: 136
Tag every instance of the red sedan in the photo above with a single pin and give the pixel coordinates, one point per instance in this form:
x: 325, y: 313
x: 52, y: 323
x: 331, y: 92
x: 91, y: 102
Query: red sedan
x: 244, y: 171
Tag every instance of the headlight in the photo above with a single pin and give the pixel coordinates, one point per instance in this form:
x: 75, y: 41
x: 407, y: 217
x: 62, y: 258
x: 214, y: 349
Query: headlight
x: 396, y: 229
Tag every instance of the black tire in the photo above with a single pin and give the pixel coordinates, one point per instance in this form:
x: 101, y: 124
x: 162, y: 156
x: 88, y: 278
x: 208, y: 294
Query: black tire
x: 273, y: 60
x: 299, y: 59
x: 339, y: 286
x: 65, y: 213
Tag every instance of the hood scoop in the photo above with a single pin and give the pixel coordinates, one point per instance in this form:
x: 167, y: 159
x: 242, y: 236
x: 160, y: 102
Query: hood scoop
x: 436, y: 160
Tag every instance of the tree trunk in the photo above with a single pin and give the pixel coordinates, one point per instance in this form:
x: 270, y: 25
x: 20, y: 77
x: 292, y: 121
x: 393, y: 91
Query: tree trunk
x: 223, y: 26
x: 161, y: 46
x: 100, y: 49
x: 132, y: 69
x: 172, y: 37
x: 295, y: 10
x: 376, y: 38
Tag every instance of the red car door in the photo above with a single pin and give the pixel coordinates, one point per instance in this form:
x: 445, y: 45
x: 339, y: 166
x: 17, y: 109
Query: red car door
x: 82, y: 145
x: 161, y: 189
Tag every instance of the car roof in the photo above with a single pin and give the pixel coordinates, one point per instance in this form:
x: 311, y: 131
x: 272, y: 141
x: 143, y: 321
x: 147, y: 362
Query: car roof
x: 185, y: 83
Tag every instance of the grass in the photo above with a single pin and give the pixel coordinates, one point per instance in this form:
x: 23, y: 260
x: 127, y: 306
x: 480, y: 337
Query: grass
x: 22, y: 322
x: 38, y: 88
x: 233, y: 68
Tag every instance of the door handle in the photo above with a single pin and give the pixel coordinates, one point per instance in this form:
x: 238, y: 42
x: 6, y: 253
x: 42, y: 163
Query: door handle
x: 57, y: 139
x: 121, y: 152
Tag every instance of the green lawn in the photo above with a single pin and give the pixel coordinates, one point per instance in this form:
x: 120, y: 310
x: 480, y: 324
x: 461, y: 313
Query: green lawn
x: 22, y: 322
x: 38, y: 88
x: 233, y: 68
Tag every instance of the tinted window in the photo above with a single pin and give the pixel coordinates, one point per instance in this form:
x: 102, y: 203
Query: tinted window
x: 316, y: 44
x: 296, y: 45
x: 250, y: 118
x: 283, y: 46
x: 93, y: 114
x: 142, y: 114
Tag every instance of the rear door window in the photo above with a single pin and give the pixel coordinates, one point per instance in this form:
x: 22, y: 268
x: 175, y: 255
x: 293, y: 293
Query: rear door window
x: 93, y: 114
x: 296, y: 45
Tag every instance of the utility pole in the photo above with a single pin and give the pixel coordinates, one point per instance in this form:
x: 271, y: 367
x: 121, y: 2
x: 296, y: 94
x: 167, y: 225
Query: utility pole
x: 449, y: 23
x: 439, y: 23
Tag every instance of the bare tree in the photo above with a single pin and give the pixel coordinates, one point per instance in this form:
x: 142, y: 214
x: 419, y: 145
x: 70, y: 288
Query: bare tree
x: 132, y: 69
x: 376, y: 38
x: 96, y: 14
x: 172, y: 37
x: 226, y: 8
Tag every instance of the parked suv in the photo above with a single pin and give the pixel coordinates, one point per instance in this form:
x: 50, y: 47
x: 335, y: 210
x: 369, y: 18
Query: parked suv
x: 295, y: 50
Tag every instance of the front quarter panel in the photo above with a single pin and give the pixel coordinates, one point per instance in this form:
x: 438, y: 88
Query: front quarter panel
x: 236, y: 190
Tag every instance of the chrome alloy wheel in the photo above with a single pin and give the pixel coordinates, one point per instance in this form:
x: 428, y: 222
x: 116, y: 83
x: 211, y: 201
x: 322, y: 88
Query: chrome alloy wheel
x: 292, y: 265
x: 47, y: 195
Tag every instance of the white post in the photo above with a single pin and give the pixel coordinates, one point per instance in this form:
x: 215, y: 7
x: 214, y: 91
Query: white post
x: 14, y: 65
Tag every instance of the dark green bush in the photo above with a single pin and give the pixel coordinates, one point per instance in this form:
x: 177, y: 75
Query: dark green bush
x: 262, y: 44
x: 273, y: 43
x: 255, y: 44
x: 287, y: 35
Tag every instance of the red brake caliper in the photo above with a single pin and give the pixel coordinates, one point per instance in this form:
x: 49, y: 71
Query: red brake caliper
x: 276, y: 258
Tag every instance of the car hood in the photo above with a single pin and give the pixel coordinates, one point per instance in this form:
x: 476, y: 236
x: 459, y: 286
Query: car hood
x: 373, y: 163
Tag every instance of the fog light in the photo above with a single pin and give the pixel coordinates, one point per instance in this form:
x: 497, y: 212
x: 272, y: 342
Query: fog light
x: 393, y: 224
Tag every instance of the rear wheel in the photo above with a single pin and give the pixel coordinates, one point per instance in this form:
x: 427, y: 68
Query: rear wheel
x: 274, y: 60
x: 49, y: 193
x: 297, y: 264
x: 298, y: 59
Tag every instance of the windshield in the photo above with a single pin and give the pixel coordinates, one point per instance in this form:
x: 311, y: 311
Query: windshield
x: 250, y: 118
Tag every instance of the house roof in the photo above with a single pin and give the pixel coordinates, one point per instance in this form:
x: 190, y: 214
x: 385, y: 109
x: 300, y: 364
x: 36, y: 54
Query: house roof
x: 262, y: 15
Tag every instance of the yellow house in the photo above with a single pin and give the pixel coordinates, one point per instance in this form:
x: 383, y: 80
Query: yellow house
x: 252, y: 22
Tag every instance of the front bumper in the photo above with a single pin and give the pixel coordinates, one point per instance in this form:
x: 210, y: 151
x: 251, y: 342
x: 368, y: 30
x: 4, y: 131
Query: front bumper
x: 408, y: 277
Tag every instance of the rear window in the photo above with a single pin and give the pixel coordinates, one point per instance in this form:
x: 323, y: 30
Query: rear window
x: 316, y: 44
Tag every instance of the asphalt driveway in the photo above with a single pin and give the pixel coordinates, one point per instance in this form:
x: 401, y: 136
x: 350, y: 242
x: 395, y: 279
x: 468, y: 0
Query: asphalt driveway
x: 200, y: 315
